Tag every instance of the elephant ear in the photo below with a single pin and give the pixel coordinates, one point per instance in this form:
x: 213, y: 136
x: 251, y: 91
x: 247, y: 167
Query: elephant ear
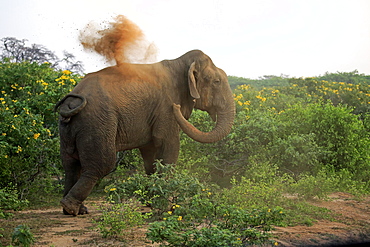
x: 192, y: 82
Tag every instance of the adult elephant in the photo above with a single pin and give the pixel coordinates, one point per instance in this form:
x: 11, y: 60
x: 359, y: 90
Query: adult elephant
x: 137, y: 106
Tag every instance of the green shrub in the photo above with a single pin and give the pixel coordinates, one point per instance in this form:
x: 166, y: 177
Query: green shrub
x: 206, y: 221
x: 160, y: 190
x: 9, y: 200
x: 296, y: 154
x: 29, y: 143
x: 22, y: 236
x: 117, y: 217
x: 340, y: 136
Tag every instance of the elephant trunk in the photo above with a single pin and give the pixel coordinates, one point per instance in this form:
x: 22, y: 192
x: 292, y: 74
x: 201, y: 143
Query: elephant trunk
x: 225, y: 119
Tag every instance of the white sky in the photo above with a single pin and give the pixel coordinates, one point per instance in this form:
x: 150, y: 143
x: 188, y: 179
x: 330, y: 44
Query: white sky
x: 245, y: 38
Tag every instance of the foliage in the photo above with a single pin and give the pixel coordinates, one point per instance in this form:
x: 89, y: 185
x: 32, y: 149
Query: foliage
x: 206, y: 221
x: 117, y: 217
x: 29, y: 141
x: 9, y: 201
x: 22, y: 236
x: 353, y: 77
x: 304, y: 127
x: 160, y: 190
x: 193, y: 213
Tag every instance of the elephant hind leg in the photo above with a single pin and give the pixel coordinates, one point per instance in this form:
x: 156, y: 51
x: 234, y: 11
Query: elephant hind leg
x: 72, y: 202
x: 159, y: 150
x: 93, y: 168
x: 149, y: 154
x: 72, y: 169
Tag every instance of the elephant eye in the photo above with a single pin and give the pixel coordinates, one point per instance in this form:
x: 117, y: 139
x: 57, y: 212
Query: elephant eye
x: 217, y: 81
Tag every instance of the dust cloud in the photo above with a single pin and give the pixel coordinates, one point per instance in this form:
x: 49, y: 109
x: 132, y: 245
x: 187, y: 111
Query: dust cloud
x: 122, y: 41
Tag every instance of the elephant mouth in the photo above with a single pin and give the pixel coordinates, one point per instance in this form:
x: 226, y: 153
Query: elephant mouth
x: 213, y: 115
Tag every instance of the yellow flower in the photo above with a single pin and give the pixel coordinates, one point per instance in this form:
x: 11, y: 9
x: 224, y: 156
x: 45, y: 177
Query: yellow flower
x: 6, y: 156
x: 164, y: 218
x: 49, y: 132
x: 4, y: 134
x: 15, y: 115
x: 3, y: 92
x: 1, y: 98
x: 19, y: 149
x: 35, y: 136
x: 269, y: 210
x: 112, y: 189
x: 169, y: 212
x: 179, y: 218
x: 14, y: 127
x: 66, y: 72
x: 276, y: 243
x: 261, y: 98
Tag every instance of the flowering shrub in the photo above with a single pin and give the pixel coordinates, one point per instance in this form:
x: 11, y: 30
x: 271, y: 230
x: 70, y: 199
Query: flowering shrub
x: 161, y: 190
x: 302, y: 127
x: 190, y: 213
x: 117, y: 217
x: 29, y: 145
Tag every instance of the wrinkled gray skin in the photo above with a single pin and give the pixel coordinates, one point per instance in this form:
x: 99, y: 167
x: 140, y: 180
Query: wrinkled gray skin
x: 137, y: 106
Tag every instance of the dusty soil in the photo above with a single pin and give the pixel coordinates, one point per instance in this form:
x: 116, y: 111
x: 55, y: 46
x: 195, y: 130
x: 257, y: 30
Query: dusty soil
x: 351, y: 225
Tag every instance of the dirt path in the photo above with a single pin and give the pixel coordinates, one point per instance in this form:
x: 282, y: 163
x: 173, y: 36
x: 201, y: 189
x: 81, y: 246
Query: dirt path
x: 352, y: 225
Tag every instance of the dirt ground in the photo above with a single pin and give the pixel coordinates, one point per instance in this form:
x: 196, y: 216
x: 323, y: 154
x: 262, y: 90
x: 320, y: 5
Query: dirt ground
x: 351, y: 225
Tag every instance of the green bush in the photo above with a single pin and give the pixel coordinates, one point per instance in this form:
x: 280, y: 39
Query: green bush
x: 29, y: 142
x: 340, y: 136
x: 22, y: 236
x: 9, y: 200
x: 160, y: 190
x: 117, y: 217
x: 206, y: 221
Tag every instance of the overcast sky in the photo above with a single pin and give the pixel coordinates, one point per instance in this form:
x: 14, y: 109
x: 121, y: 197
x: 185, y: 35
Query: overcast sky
x: 245, y: 38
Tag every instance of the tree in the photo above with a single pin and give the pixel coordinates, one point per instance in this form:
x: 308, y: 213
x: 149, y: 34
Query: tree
x: 17, y: 51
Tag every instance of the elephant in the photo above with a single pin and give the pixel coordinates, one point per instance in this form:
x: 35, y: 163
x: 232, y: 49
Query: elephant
x: 142, y: 106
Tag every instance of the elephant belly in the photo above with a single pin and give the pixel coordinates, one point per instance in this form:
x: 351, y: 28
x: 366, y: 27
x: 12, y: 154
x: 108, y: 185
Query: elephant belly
x: 133, y: 138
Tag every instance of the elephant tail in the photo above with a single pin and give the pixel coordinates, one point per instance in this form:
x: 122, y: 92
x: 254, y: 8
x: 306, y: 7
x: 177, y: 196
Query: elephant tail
x: 70, y: 105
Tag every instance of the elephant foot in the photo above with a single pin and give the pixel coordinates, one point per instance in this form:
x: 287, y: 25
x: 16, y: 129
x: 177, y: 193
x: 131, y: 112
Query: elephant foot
x: 83, y: 210
x: 72, y: 207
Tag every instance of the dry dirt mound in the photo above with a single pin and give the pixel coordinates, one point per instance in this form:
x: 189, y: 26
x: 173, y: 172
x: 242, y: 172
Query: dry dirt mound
x: 351, y: 225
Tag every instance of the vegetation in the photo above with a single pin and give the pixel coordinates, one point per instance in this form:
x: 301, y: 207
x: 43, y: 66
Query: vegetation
x: 22, y: 236
x: 306, y: 137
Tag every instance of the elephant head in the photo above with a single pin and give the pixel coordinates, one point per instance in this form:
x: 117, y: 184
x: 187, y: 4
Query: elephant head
x: 209, y: 87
